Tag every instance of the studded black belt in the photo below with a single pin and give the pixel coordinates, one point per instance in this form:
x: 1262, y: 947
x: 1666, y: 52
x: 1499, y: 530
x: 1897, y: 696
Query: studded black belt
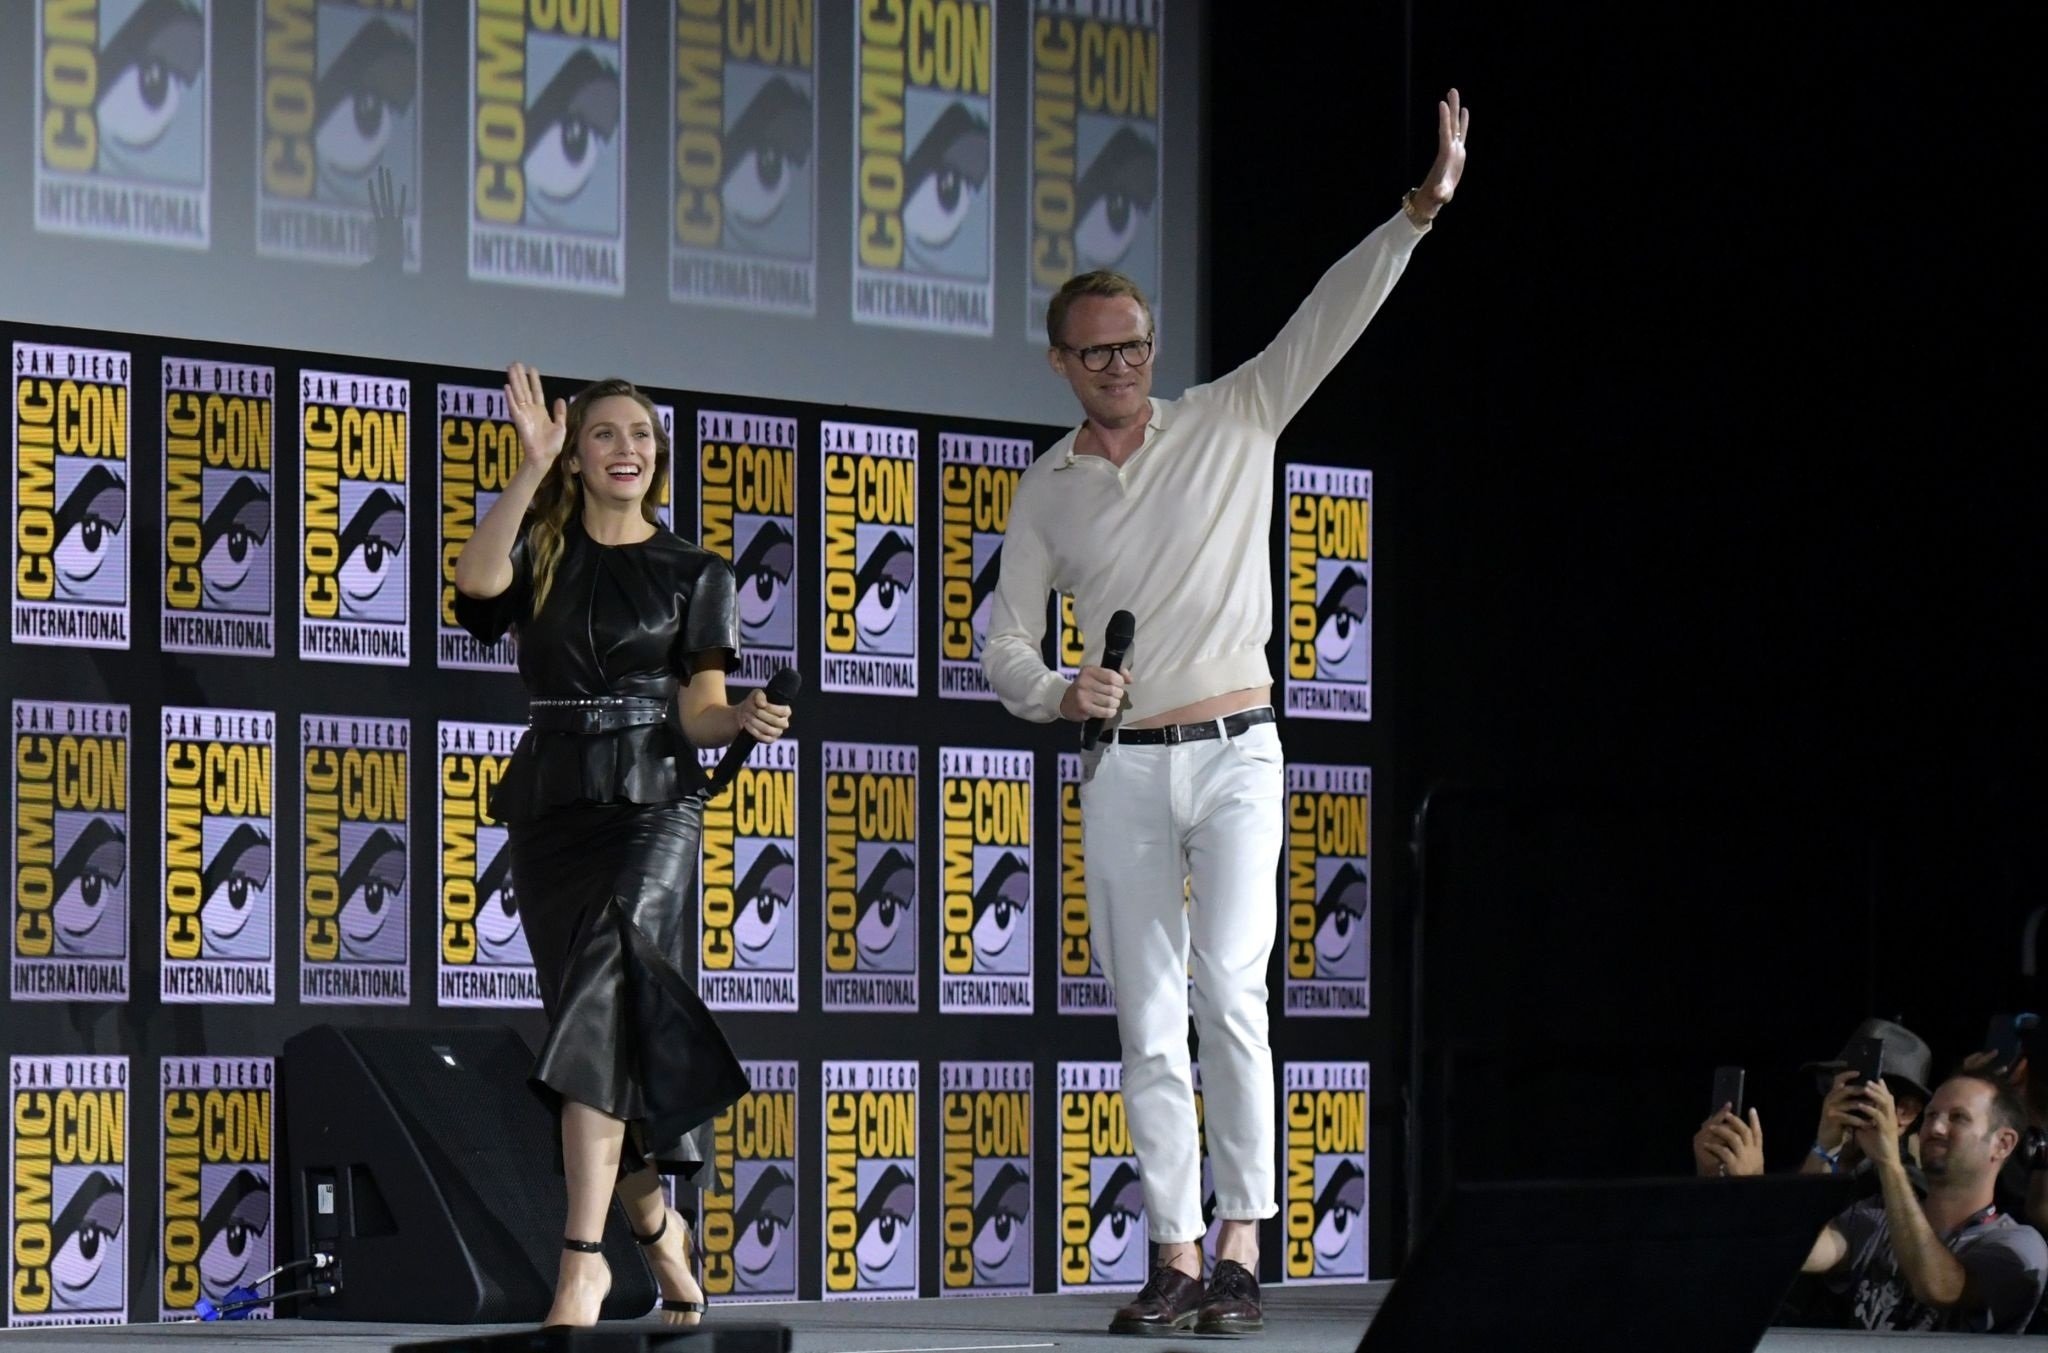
x: 1229, y: 726
x: 600, y: 714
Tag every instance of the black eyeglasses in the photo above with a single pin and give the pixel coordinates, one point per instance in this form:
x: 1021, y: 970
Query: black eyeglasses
x: 1135, y: 353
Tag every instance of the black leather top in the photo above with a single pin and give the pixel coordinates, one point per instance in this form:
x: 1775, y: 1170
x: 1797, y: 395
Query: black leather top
x: 619, y: 620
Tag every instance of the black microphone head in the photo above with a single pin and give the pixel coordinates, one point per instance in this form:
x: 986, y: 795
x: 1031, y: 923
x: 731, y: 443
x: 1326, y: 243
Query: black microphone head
x: 1118, y: 636
x: 784, y: 685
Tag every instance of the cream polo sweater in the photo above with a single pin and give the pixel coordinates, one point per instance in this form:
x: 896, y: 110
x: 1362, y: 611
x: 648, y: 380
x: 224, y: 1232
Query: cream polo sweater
x: 1180, y: 536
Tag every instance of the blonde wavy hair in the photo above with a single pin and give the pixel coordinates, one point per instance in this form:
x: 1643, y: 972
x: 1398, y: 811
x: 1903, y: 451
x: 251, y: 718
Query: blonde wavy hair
x: 560, y: 496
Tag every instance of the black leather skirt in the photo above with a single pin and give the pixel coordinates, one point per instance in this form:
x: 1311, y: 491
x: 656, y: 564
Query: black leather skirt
x: 604, y: 891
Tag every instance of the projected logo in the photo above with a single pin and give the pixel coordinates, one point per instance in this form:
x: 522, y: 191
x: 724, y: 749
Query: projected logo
x: 1083, y: 988
x: 219, y: 856
x: 977, y: 481
x: 747, y: 889
x: 337, y: 107
x: 480, y: 453
x: 871, y: 877
x: 742, y: 175
x: 547, y: 138
x: 71, y: 852
x: 870, y: 529
x: 70, y: 496
x: 985, y: 1160
x: 985, y: 842
x: 1329, y: 592
x: 746, y: 514
x: 923, y: 180
x: 219, y: 561
x: 356, y: 907
x: 665, y: 496
x: 484, y: 956
x: 354, y: 604
x: 1329, y: 890
x: 1103, y: 1241
x: 1095, y: 136
x: 68, y: 1160
x: 1325, y: 1216
x: 123, y: 110
x: 750, y: 1244
x: 216, y: 1199
x: 870, y: 1180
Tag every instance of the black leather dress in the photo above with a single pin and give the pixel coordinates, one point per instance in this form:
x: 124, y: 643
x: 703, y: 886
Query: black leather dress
x: 603, y: 833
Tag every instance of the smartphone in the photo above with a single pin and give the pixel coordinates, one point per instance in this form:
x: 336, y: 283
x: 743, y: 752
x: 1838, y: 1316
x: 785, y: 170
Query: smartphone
x: 1865, y: 1057
x: 2003, y: 1038
x: 1727, y: 1090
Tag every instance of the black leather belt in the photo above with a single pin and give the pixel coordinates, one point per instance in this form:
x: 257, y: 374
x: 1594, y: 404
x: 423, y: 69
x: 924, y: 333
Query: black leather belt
x: 1229, y: 726
x: 604, y: 714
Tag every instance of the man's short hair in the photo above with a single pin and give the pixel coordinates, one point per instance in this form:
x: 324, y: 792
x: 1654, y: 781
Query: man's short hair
x: 2006, y: 1109
x: 1102, y: 282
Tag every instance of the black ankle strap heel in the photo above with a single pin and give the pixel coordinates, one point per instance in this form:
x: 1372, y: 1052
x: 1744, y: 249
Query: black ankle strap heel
x: 668, y: 1303
x: 584, y: 1246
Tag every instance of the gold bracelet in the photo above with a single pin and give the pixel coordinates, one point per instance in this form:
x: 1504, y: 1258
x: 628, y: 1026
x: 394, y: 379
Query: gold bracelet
x: 1417, y: 219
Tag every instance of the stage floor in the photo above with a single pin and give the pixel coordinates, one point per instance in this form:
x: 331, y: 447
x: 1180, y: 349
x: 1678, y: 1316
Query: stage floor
x: 1298, y: 1320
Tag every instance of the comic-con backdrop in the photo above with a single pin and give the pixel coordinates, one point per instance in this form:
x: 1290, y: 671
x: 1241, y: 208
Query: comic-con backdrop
x: 885, y: 191
x: 250, y: 762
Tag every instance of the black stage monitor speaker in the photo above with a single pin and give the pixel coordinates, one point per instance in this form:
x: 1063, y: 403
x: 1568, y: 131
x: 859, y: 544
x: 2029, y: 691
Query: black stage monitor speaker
x: 715, y: 1337
x: 1676, y: 1265
x: 421, y: 1161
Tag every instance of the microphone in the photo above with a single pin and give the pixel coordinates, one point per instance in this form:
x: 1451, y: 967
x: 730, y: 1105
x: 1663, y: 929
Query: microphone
x: 1116, y: 646
x: 781, y: 689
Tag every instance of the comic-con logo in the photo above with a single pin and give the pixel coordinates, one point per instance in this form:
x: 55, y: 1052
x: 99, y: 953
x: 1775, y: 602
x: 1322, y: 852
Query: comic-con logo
x: 219, y: 435
x: 337, y: 107
x: 1095, y: 129
x: 71, y: 852
x: 1325, y: 1217
x: 355, y: 906
x: 985, y: 1160
x: 219, y: 856
x: 871, y: 877
x: 742, y: 177
x: 748, y: 887
x: 870, y: 530
x: 122, y: 105
x: 870, y: 1180
x: 665, y: 495
x: 977, y: 481
x: 1329, y: 592
x: 484, y: 957
x: 750, y: 1246
x: 1084, y: 990
x: 547, y: 137
x: 985, y: 839
x: 68, y: 1160
x: 479, y: 454
x: 924, y: 216
x: 216, y: 1203
x: 1103, y: 1241
x: 746, y: 514
x: 70, y: 496
x: 1329, y: 890
x: 354, y: 604
x: 1065, y: 645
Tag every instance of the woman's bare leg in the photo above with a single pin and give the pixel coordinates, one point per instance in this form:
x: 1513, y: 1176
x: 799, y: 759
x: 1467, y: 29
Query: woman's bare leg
x: 670, y: 1256
x: 590, y: 1160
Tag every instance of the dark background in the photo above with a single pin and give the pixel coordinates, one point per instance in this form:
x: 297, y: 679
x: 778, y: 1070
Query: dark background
x: 1706, y: 543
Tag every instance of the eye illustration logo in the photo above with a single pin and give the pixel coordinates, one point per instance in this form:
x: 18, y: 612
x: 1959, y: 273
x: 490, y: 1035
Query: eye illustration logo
x: 360, y: 108
x: 370, y: 547
x: 1340, y: 923
x: 85, y: 1240
x: 572, y: 130
x: 147, y: 72
x: 235, y: 559
x: 1002, y: 1238
x: 1114, y: 200
x: 1341, y: 650
x: 1116, y: 1235
x: 884, y: 1251
x: 233, y: 1236
x: 91, y: 909
x: 237, y: 884
x: 1002, y: 903
x: 762, y: 930
x: 945, y: 180
x: 886, y: 931
x: 88, y: 525
x: 763, y: 1259
x: 885, y: 592
x: 769, y: 149
x: 1339, y: 1210
x: 499, y: 936
x: 371, y: 882
x: 984, y: 593
x: 762, y: 573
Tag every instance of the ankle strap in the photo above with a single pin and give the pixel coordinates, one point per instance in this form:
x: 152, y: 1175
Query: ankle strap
x: 659, y: 1231
x: 584, y: 1246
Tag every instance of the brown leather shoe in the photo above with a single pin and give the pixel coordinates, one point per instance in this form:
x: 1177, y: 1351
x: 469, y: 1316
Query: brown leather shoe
x: 1231, y: 1305
x: 1165, y: 1305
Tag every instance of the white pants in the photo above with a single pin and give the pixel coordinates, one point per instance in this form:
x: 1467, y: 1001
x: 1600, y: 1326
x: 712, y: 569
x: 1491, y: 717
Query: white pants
x: 1209, y: 813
